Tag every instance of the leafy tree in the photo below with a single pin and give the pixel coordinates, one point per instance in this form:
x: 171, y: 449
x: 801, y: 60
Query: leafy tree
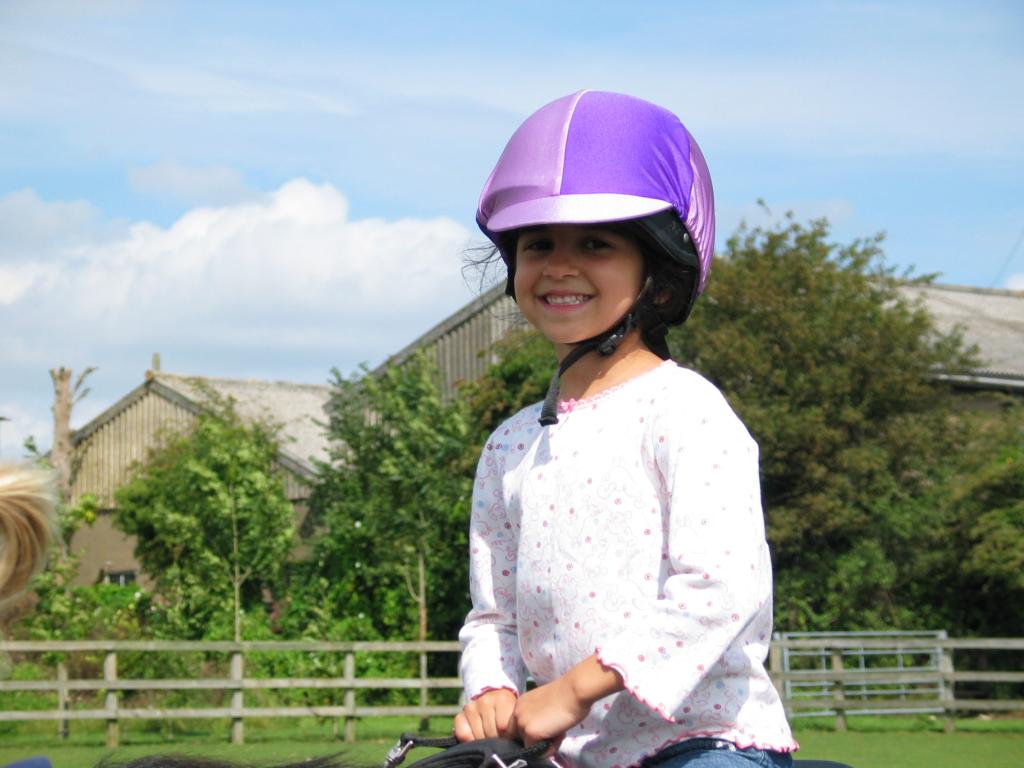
x: 394, y: 502
x: 983, y: 535
x: 520, y: 377
x: 831, y: 368
x: 212, y: 522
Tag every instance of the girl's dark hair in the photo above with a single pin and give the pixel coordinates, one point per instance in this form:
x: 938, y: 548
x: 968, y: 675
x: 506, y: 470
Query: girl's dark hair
x: 674, y: 283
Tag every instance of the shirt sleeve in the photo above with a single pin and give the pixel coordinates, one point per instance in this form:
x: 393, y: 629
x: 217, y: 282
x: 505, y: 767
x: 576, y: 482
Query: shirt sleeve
x: 490, y: 646
x: 717, y: 595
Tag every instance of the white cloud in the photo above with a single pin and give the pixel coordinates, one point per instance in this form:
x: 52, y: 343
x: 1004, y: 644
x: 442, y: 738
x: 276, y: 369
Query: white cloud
x: 35, y: 230
x: 287, y: 279
x: 174, y: 182
x: 21, y: 424
x: 1015, y: 282
x: 286, y: 264
x: 40, y: 236
x: 295, y: 250
x: 17, y: 279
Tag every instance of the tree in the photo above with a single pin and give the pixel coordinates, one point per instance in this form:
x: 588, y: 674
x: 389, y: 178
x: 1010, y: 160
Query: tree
x: 520, y: 377
x: 212, y: 523
x: 984, y: 533
x: 831, y: 368
x: 394, y: 502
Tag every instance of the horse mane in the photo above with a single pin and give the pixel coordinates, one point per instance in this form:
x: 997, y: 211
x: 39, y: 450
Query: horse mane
x: 27, y: 525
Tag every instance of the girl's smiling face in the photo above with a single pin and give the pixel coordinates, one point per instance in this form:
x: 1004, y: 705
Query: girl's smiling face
x: 574, y: 281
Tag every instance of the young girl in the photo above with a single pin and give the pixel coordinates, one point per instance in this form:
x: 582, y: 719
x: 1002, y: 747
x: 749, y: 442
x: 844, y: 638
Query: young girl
x: 617, y: 542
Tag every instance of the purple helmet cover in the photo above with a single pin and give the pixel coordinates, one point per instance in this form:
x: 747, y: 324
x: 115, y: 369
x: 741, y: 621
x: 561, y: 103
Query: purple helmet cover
x: 630, y: 146
x: 594, y: 157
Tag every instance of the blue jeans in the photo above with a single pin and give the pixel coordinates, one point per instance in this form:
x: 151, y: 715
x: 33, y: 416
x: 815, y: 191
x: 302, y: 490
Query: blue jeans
x: 715, y: 753
x: 31, y: 762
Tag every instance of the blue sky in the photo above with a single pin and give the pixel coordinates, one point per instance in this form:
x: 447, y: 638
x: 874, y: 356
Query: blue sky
x: 259, y: 189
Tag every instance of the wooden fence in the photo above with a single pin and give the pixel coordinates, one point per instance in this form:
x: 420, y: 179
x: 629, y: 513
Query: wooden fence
x: 842, y: 691
x: 236, y: 683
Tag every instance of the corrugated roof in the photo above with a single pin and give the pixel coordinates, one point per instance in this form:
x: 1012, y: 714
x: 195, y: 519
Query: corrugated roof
x: 484, y: 303
x: 990, y: 318
x: 296, y: 407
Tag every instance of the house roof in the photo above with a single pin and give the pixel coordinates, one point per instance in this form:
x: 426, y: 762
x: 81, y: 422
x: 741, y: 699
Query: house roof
x: 485, y: 302
x: 297, y: 408
x: 992, y: 319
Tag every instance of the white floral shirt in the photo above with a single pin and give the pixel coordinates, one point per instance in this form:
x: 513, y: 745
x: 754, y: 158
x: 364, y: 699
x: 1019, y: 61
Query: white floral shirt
x: 632, y: 529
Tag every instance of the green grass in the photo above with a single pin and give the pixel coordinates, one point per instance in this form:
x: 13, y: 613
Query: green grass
x: 915, y: 750
x: 871, y: 742
x: 914, y: 742
x: 266, y: 742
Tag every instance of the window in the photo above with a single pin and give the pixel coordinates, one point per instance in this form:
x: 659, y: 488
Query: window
x: 121, y: 578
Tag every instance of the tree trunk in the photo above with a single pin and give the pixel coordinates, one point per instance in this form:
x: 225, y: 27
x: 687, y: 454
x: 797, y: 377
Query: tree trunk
x: 238, y: 576
x: 60, y: 453
x: 421, y: 572
x: 421, y: 568
x: 65, y: 397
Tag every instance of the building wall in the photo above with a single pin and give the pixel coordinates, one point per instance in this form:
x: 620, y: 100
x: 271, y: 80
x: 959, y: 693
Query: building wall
x: 463, y: 353
x: 105, y: 458
x: 104, y: 551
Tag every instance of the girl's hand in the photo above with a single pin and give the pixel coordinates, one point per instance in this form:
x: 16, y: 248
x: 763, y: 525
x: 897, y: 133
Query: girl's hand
x: 486, y: 717
x: 548, y: 711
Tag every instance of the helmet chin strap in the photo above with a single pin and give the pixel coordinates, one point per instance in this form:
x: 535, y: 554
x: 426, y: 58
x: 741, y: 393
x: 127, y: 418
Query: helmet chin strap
x: 604, y: 344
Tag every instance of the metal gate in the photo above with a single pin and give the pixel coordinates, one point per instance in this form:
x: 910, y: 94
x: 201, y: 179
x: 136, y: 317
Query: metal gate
x: 902, y: 662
